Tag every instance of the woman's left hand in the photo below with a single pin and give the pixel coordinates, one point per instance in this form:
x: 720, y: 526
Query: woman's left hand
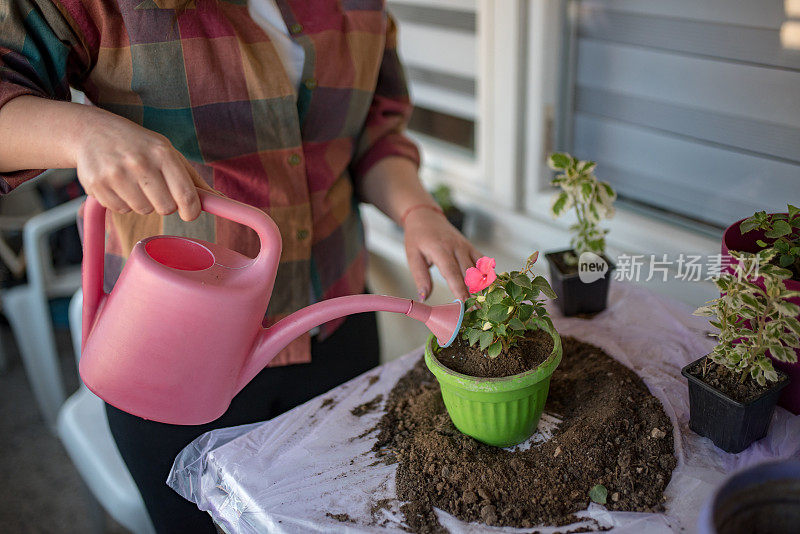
x: 431, y: 240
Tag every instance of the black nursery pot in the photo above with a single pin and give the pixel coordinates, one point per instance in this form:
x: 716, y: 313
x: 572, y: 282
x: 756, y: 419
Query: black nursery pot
x: 731, y: 425
x: 575, y: 296
x: 455, y: 217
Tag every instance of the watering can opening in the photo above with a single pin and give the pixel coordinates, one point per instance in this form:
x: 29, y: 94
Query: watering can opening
x: 179, y: 253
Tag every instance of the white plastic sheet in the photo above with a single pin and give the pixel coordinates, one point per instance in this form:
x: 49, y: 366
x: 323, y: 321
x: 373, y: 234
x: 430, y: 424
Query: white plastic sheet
x: 287, y: 474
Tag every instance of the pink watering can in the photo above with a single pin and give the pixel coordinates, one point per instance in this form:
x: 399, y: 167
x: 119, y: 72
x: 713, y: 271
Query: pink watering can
x: 181, y: 332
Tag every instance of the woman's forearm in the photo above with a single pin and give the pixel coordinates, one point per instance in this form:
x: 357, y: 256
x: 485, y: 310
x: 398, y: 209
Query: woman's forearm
x: 125, y: 166
x: 37, y: 133
x: 393, y: 186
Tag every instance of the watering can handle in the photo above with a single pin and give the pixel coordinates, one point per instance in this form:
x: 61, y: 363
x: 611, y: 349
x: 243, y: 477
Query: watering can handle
x: 94, y: 246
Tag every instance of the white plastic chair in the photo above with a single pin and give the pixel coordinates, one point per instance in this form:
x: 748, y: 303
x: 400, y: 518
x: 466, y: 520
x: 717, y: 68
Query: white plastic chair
x: 83, y: 429
x: 14, y: 214
x: 27, y: 309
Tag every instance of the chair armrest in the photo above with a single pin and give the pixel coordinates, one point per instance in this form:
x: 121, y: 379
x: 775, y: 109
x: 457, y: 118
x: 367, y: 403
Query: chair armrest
x: 37, y: 252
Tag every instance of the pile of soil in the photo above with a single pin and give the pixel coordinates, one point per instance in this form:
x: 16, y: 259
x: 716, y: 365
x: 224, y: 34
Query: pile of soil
x: 613, y: 432
x: 524, y: 355
x: 729, y: 383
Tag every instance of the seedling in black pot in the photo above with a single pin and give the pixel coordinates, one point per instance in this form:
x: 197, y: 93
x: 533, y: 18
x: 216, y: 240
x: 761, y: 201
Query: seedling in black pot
x: 580, y: 275
x: 734, y: 389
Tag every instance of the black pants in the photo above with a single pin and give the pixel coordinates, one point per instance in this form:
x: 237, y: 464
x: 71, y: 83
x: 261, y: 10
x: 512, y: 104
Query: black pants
x: 149, y: 448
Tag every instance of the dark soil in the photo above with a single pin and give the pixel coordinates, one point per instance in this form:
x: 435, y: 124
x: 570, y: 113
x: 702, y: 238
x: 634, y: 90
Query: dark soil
x: 523, y: 356
x: 613, y: 433
x: 727, y: 382
x: 328, y: 403
x: 567, y: 269
x: 367, y: 407
x: 342, y: 518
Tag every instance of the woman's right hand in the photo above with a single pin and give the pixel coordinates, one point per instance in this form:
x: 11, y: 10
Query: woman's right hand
x: 129, y: 168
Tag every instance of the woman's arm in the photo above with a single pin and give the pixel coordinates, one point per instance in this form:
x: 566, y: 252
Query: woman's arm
x: 392, y: 185
x: 125, y: 166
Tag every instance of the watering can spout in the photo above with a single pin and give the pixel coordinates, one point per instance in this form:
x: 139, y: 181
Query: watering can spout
x: 444, y: 321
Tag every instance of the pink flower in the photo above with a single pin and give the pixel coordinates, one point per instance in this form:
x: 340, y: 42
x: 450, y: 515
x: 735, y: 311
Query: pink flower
x: 481, y: 276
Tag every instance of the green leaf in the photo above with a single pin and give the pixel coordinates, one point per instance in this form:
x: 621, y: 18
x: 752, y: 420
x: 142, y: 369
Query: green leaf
x: 588, y: 166
x: 525, y: 312
x: 788, y: 309
x: 587, y: 190
x: 791, y: 323
x: 535, y: 323
x: 515, y: 292
x: 494, y: 297
x: 748, y: 225
x: 779, y: 228
x: 705, y: 311
x: 522, y: 280
x: 559, y: 204
x: 558, y: 161
x: 495, y: 349
x: 543, y: 285
x: 793, y: 210
x: 486, y: 339
x: 498, y: 313
x: 473, y: 334
x: 516, y: 324
x: 784, y: 354
x: 598, y: 494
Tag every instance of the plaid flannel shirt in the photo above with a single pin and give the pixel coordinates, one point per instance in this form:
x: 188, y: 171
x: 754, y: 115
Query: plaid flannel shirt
x: 209, y: 79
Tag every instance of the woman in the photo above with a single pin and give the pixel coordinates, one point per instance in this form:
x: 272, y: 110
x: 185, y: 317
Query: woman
x: 295, y: 107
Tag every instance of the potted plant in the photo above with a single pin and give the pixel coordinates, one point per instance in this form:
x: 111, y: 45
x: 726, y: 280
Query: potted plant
x: 443, y: 196
x: 734, y: 389
x: 581, y: 274
x: 762, y: 498
x: 781, y: 231
x: 496, y: 375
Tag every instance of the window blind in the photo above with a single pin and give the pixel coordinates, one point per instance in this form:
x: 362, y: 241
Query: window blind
x: 689, y: 106
x: 438, y: 47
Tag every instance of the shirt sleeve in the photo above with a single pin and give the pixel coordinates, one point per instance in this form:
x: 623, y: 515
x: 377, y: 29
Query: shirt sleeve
x: 40, y: 54
x: 383, y: 134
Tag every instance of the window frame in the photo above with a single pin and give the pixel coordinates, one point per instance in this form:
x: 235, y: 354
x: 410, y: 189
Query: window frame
x: 523, y: 43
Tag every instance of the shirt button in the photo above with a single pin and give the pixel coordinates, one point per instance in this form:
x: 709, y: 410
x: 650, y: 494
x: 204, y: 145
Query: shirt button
x: 296, y: 28
x: 302, y: 234
x: 311, y: 84
x: 294, y: 160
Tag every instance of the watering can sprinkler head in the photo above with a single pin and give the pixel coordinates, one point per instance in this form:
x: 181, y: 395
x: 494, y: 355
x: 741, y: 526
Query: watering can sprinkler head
x: 444, y: 322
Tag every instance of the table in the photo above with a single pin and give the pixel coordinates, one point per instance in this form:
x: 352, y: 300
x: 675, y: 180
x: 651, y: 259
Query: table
x: 286, y: 474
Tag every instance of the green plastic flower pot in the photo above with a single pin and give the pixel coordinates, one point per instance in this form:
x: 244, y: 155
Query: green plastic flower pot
x: 496, y: 411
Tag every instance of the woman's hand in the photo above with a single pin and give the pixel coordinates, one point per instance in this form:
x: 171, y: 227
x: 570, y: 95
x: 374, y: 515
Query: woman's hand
x: 431, y: 240
x: 129, y: 168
